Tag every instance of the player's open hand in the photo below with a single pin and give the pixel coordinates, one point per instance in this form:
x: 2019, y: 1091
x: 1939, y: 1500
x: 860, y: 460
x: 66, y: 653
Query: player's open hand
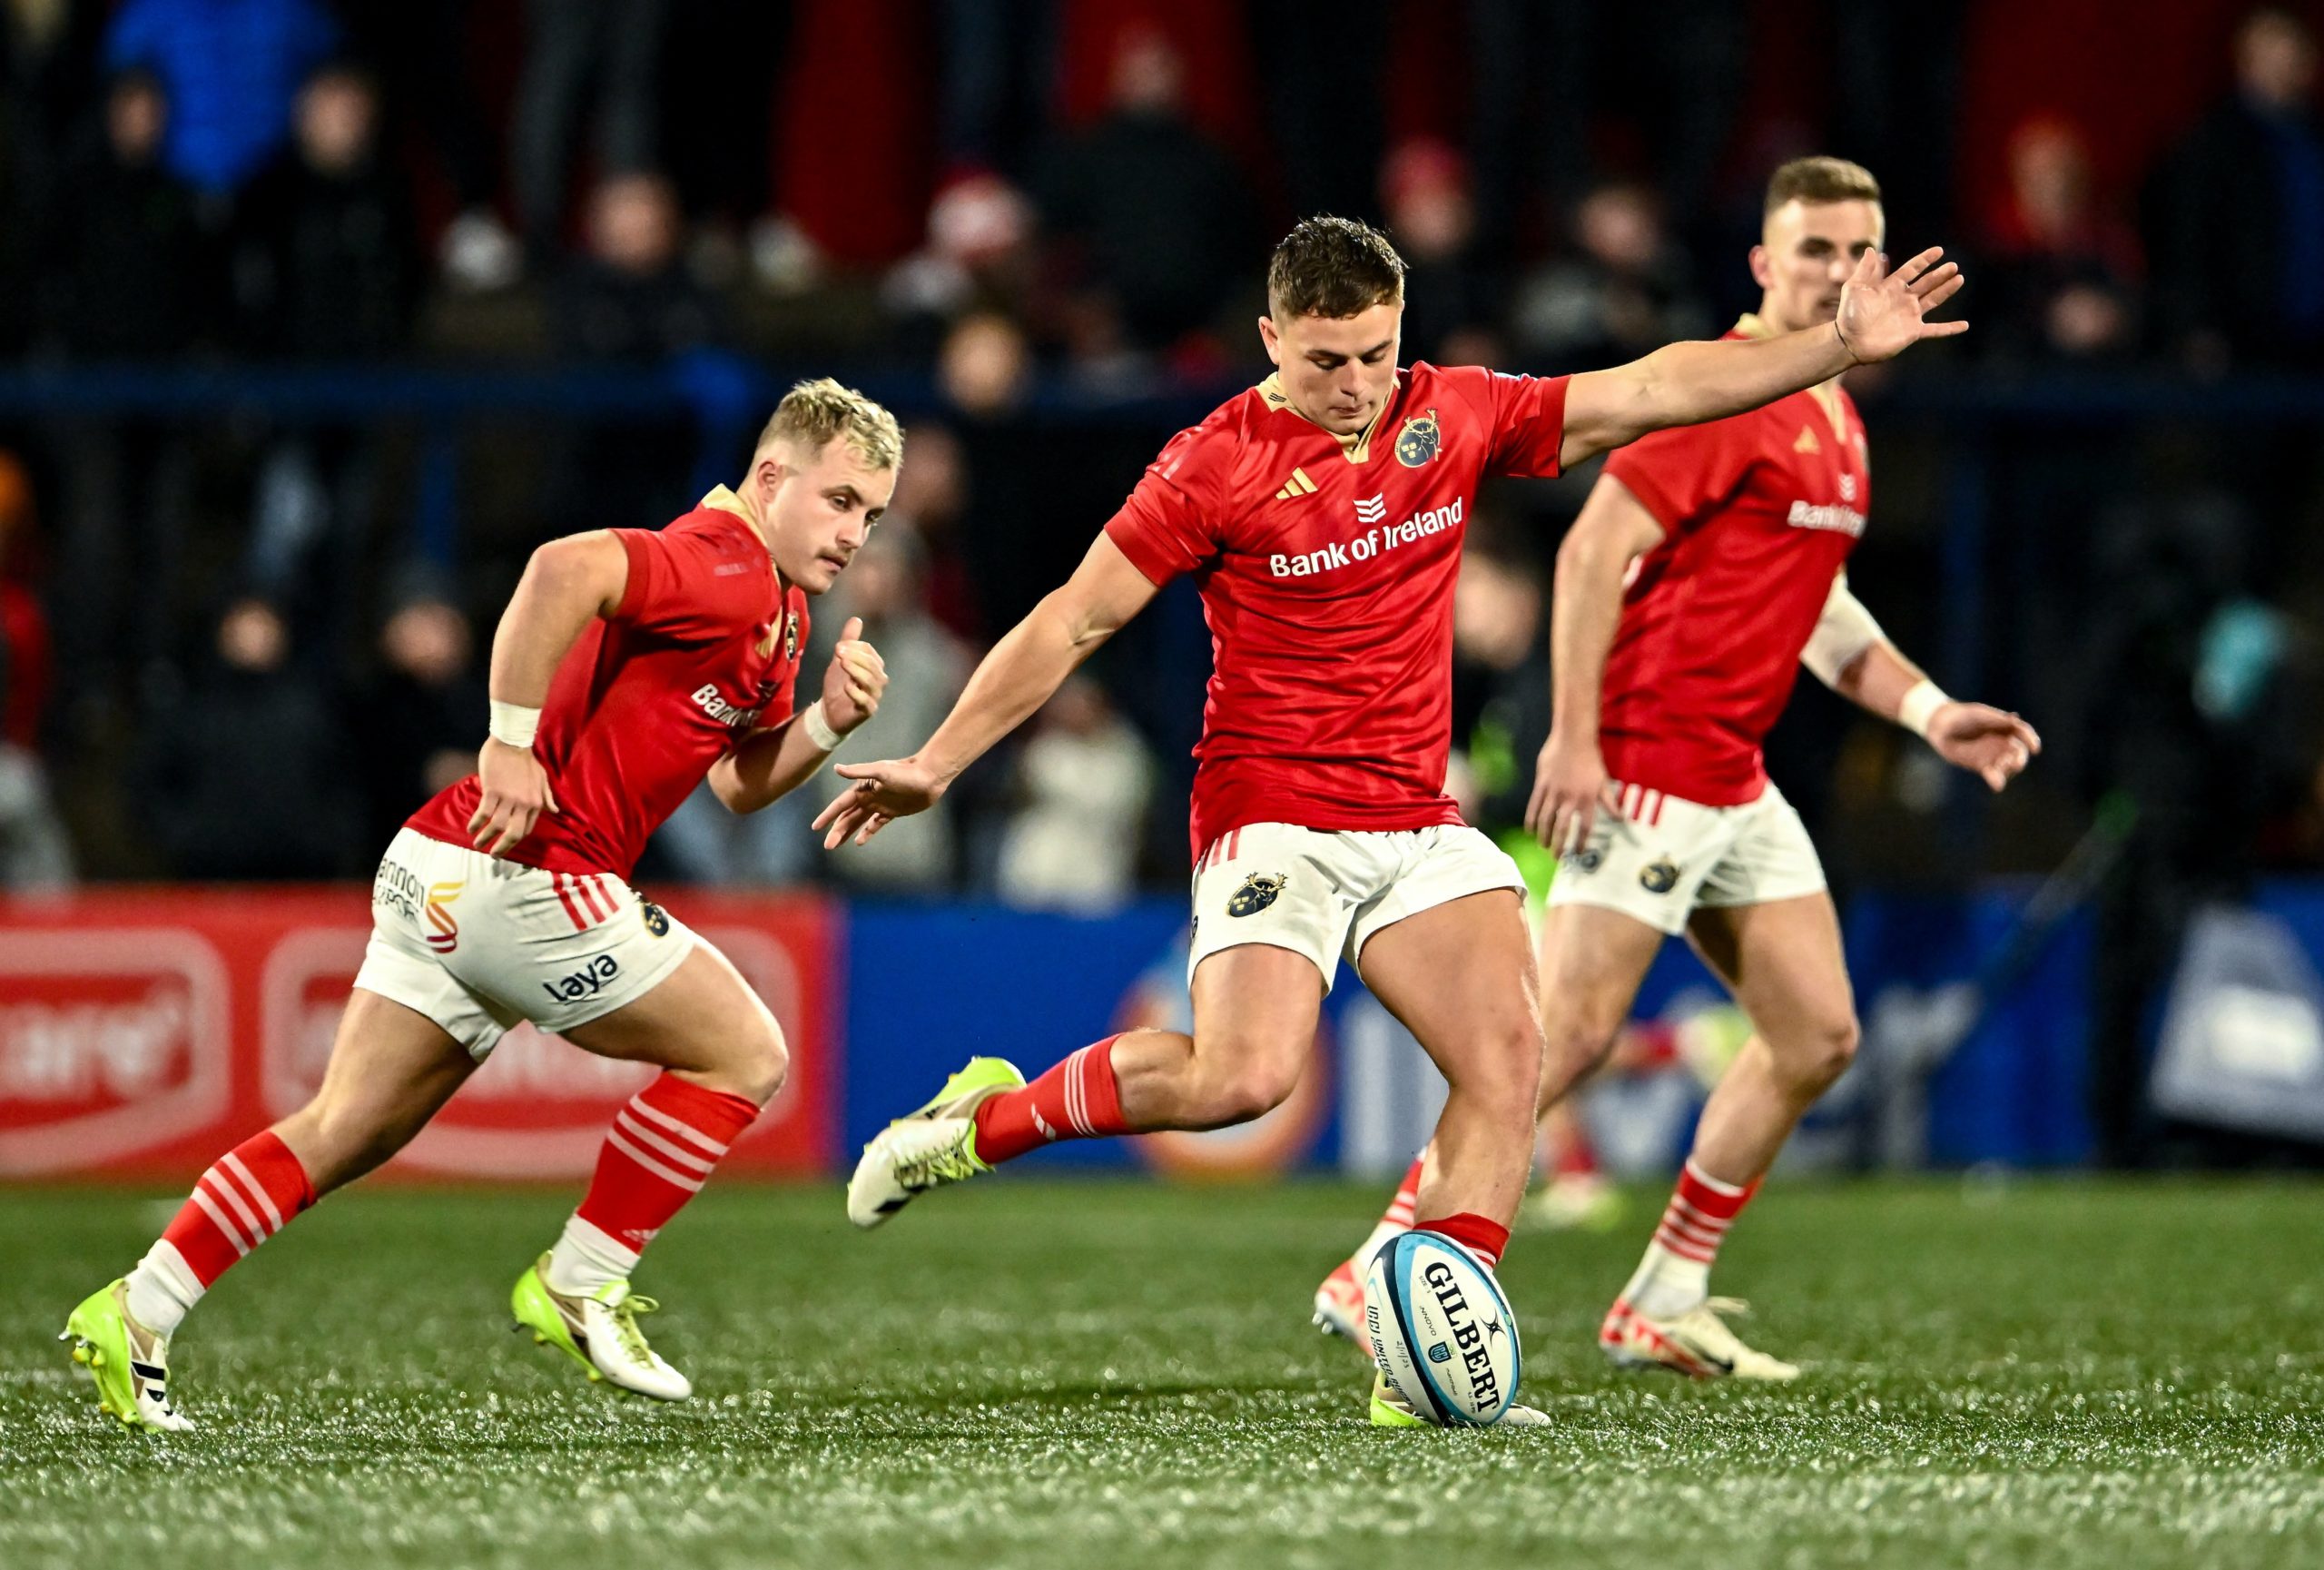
x: 882, y: 792
x: 1883, y: 313
x: 1993, y: 745
x: 515, y: 793
x: 1569, y: 787
x: 857, y: 677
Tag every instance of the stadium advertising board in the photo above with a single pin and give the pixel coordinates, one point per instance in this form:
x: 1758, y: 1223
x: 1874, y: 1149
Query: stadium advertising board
x: 140, y: 1031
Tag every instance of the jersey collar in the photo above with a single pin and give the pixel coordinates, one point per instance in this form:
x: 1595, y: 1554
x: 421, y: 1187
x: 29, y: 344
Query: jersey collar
x: 1356, y: 448
x: 724, y: 499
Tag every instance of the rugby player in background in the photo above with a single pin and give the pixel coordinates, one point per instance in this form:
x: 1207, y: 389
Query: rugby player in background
x: 1708, y: 565
x: 630, y: 664
x: 1322, y: 515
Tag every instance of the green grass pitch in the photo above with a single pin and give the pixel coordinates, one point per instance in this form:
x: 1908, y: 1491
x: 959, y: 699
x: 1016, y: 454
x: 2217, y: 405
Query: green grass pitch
x: 1117, y: 1375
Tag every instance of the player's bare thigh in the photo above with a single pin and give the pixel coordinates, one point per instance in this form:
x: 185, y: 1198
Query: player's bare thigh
x: 1593, y: 960
x: 703, y: 1020
x: 1460, y: 976
x: 391, y: 1069
x: 1784, y: 961
x: 1255, y: 1008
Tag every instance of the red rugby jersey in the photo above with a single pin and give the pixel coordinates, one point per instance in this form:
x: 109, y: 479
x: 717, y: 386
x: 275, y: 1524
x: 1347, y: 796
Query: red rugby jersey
x: 703, y: 649
x: 1327, y: 569
x: 1759, y: 511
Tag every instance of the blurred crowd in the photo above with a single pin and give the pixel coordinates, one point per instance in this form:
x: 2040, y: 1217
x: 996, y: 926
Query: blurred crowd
x: 226, y: 652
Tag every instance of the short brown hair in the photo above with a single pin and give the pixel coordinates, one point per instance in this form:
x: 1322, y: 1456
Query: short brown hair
x: 812, y: 412
x: 1334, y: 267
x: 1821, y: 179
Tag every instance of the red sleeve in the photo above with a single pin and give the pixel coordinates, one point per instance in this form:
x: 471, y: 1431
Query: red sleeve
x: 1526, y: 414
x: 1685, y: 473
x: 1172, y: 522
x: 675, y: 590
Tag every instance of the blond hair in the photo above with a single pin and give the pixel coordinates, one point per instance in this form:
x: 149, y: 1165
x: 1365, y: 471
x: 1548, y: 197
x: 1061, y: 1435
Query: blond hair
x: 812, y: 412
x: 1820, y: 179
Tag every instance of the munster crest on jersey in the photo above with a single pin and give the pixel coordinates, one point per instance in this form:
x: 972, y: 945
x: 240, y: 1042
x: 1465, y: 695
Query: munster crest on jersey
x: 1258, y: 893
x: 1418, y: 440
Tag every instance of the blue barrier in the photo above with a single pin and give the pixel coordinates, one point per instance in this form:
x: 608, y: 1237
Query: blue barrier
x: 928, y: 986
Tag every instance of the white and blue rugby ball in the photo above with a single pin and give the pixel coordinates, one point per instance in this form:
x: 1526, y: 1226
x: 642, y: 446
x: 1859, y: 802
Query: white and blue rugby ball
x: 1441, y: 1331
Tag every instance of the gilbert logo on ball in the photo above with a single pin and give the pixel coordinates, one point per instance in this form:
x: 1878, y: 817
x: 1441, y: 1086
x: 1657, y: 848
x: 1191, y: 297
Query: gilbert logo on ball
x: 1441, y: 1331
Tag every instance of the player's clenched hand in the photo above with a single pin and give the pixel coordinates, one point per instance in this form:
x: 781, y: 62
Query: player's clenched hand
x: 1993, y: 745
x: 882, y: 793
x: 857, y: 677
x: 515, y: 793
x: 1569, y: 785
x: 1883, y: 313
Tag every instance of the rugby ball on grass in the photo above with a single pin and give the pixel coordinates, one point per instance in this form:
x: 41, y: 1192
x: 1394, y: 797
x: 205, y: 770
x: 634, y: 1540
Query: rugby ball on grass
x: 1441, y: 1331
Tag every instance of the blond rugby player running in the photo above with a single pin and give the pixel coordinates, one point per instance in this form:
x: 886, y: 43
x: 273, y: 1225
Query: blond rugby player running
x: 631, y: 663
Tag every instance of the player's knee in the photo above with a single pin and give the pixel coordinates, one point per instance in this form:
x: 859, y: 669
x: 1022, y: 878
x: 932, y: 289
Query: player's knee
x: 1507, y: 1065
x: 760, y: 1065
x: 337, y: 1140
x: 1825, y: 1053
x: 1575, y: 1041
x: 1253, y: 1087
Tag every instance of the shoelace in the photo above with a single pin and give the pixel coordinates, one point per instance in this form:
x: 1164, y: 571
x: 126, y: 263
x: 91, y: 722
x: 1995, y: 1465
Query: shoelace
x: 626, y: 1330
x: 949, y: 1163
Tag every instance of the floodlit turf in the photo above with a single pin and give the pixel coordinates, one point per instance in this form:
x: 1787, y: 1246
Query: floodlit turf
x: 1120, y: 1374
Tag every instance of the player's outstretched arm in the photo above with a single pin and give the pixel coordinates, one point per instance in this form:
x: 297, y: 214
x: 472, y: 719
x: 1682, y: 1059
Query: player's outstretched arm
x: 1015, y: 679
x: 770, y: 764
x: 1881, y: 315
x: 1585, y: 606
x: 566, y: 582
x: 1850, y: 654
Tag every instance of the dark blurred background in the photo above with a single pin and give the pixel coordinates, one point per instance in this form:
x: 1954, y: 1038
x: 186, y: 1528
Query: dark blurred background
x: 318, y: 315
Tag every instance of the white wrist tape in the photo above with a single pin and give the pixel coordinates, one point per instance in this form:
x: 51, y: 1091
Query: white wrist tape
x: 1843, y: 631
x: 819, y: 729
x: 514, y: 725
x: 1920, y: 706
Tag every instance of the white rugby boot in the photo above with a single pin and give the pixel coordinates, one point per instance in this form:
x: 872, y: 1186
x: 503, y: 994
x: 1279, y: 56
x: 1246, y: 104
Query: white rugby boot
x: 1390, y: 1410
x: 599, y: 1332
x: 1698, y: 1343
x: 1339, y: 1303
x: 933, y: 1144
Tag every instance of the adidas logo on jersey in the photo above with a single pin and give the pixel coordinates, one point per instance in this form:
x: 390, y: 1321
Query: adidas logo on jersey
x: 1374, y: 510
x: 1807, y: 442
x: 1297, y: 485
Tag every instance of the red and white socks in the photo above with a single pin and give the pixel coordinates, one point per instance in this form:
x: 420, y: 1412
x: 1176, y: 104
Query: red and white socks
x: 661, y: 1148
x: 1077, y: 1099
x: 250, y: 1194
x: 1675, y: 1275
x: 1396, y: 1219
x: 1487, y: 1239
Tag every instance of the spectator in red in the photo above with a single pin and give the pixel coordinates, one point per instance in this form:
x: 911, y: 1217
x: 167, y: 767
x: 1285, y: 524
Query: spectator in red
x: 1146, y: 212
x: 35, y: 850
x: 2067, y: 275
x: 1450, y: 295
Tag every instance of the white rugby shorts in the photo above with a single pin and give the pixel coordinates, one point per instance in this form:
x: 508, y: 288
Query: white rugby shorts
x: 477, y: 944
x: 1324, y: 893
x: 1657, y: 857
